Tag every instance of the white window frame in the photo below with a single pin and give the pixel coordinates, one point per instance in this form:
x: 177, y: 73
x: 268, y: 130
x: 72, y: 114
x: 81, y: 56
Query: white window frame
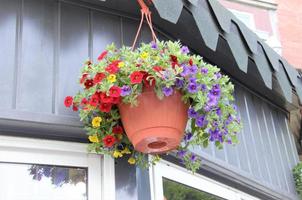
x: 101, y: 180
x: 165, y: 169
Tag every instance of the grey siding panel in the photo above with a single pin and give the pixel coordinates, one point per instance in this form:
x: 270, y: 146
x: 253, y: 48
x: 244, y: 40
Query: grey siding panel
x: 36, y: 69
x: 106, y: 29
x: 275, y: 149
x: 269, y: 148
x: 74, y: 40
x: 256, y: 137
x: 242, y: 146
x: 129, y: 28
x: 281, y: 148
x: 8, y: 27
x: 288, y: 161
x: 264, y: 147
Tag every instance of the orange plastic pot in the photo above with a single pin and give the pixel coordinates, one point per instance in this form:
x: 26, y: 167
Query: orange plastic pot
x: 155, y: 126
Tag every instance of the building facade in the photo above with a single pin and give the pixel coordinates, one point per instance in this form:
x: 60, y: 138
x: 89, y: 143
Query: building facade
x: 43, y: 147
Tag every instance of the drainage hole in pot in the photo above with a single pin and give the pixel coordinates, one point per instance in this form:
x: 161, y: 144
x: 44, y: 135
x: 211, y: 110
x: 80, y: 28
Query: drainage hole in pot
x: 157, y: 145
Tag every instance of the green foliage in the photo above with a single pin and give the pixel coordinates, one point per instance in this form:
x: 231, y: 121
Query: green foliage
x: 166, y: 67
x: 297, y: 173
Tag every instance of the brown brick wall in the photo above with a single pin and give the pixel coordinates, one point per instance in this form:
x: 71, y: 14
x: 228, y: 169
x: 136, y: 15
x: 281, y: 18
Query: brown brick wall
x: 289, y: 15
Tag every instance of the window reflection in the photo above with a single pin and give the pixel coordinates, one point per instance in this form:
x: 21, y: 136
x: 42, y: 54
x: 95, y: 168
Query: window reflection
x: 178, y: 191
x: 42, y: 182
x: 58, y: 175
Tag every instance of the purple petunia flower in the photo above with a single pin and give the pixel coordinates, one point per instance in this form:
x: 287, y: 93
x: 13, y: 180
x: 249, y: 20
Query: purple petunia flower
x: 185, y: 70
x: 218, y: 111
x: 193, y: 87
x: 168, y: 91
x: 179, y: 83
x: 229, y: 141
x: 192, y: 80
x: 235, y: 107
x: 193, y: 157
x: 201, y: 121
x: 181, y: 153
x: 215, y: 91
x: 192, y: 113
x: 193, y: 69
x: 153, y: 45
x: 214, y: 134
x: 204, y: 70
x: 207, y: 108
x: 125, y: 90
x: 185, y: 50
x: 218, y: 75
x: 188, y: 136
x: 212, y: 100
x: 203, y: 87
x: 229, y: 120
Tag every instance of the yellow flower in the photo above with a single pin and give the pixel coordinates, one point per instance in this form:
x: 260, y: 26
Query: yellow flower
x: 144, y: 55
x: 121, y: 64
x: 131, y: 160
x: 93, y: 138
x: 126, y: 151
x: 117, y: 154
x: 96, y: 122
x: 111, y: 78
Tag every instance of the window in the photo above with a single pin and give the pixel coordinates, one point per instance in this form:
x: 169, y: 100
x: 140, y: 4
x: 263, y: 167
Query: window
x: 171, y: 182
x: 32, y: 169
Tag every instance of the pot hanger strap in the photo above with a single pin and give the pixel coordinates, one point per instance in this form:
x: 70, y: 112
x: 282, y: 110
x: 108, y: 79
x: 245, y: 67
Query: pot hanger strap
x: 145, y: 13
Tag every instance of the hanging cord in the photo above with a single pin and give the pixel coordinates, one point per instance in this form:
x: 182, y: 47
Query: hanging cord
x: 145, y: 13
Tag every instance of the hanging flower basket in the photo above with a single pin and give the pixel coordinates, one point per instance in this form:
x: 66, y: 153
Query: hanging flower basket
x: 139, y: 101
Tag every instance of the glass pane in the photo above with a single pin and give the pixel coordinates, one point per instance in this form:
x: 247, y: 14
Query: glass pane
x: 42, y: 182
x: 178, y: 191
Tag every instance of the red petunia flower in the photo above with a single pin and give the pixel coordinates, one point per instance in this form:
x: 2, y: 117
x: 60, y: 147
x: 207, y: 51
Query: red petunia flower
x: 157, y: 68
x: 68, y: 101
x: 117, y: 130
x: 116, y: 100
x: 94, y: 100
x: 190, y: 62
x: 149, y: 81
x: 88, y: 83
x: 109, y: 140
x: 98, y: 77
x: 102, y: 55
x: 115, y: 91
x: 105, y: 107
x: 83, y: 78
x: 105, y: 99
x: 75, y: 108
x: 113, y: 68
x: 173, y: 58
x: 136, y: 77
x: 84, y: 102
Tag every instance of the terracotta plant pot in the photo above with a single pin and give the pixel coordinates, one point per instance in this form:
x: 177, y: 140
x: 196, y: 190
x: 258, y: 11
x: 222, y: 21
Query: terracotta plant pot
x: 155, y: 126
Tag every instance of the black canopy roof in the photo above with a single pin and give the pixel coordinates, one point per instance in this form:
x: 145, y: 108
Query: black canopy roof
x: 216, y: 34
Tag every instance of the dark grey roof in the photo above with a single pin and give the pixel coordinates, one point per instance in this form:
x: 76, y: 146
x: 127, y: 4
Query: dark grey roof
x: 215, y: 21
x: 215, y: 33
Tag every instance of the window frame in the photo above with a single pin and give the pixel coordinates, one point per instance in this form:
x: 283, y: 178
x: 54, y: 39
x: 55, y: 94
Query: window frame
x: 165, y: 169
x: 101, y: 181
